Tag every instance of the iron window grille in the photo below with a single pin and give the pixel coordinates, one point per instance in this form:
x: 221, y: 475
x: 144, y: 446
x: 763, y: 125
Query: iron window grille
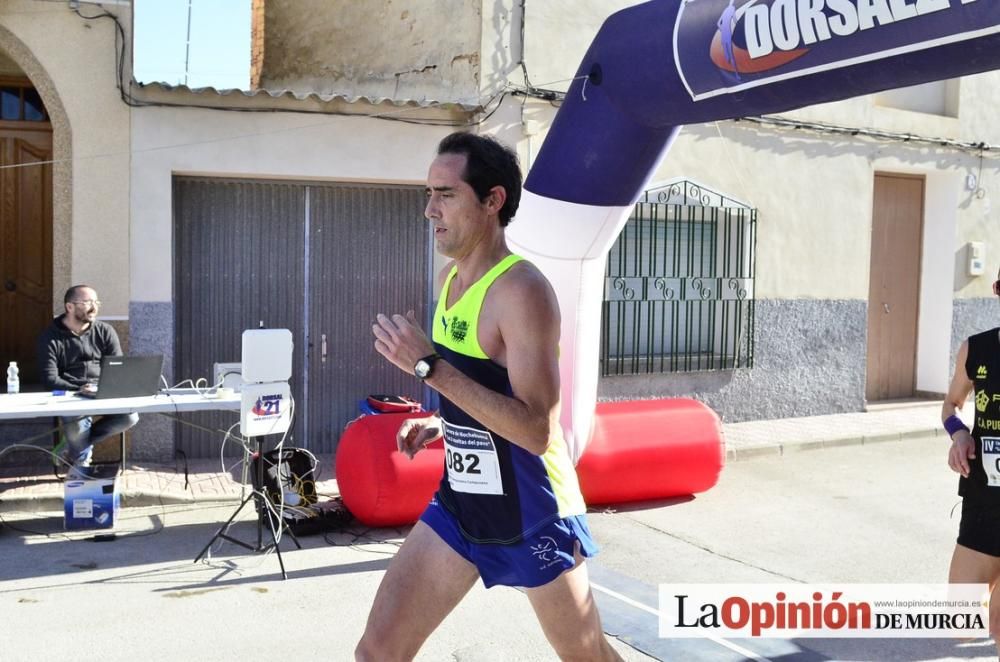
x: 679, y: 285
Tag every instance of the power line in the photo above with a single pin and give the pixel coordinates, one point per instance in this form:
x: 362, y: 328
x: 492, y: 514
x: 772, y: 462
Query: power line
x: 834, y: 129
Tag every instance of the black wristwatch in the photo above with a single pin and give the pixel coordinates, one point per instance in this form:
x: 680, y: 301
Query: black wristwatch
x: 424, y: 368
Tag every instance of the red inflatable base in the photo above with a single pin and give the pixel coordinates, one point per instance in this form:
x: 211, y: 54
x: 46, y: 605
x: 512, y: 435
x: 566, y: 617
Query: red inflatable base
x: 640, y: 450
x: 380, y: 485
x: 651, y: 449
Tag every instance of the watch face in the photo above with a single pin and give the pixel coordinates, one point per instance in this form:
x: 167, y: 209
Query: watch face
x: 422, y: 369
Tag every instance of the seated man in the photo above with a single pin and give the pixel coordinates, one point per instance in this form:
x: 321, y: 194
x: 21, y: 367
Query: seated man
x: 69, y: 355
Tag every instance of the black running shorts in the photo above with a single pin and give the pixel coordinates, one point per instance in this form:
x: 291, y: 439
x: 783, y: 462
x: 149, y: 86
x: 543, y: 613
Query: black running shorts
x: 979, y: 529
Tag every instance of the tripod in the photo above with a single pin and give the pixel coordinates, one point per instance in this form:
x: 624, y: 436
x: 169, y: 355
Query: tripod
x: 264, y: 509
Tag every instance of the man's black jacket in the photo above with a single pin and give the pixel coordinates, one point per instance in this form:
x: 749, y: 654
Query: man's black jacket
x: 67, y: 361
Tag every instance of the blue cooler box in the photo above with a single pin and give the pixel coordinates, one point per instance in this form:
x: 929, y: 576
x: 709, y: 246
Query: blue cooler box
x: 91, y: 503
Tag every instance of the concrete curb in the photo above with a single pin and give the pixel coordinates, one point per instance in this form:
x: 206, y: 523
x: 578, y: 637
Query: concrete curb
x: 52, y: 498
x: 54, y: 501
x: 154, y: 485
x: 746, y: 452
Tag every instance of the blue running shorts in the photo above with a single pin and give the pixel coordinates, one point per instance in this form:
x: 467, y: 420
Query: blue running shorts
x: 534, y: 561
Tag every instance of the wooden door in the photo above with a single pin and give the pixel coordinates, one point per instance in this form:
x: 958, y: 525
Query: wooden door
x: 25, y: 243
x: 894, y: 287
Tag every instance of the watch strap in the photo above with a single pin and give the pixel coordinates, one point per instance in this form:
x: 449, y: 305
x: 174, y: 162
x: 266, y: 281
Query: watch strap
x: 430, y: 360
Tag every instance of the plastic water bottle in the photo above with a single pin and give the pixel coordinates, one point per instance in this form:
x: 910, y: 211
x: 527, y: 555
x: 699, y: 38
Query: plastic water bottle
x: 13, y: 379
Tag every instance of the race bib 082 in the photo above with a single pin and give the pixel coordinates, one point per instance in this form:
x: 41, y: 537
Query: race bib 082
x: 471, y: 460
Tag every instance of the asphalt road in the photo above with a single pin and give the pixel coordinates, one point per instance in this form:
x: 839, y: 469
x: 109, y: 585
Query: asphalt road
x: 880, y: 513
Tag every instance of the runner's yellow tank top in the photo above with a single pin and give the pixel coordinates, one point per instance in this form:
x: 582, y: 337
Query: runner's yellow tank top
x: 456, y: 327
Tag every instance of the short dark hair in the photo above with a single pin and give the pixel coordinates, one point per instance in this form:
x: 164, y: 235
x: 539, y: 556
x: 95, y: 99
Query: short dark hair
x: 73, y: 291
x: 488, y: 163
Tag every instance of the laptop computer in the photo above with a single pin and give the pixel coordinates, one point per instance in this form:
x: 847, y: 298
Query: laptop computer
x: 127, y: 377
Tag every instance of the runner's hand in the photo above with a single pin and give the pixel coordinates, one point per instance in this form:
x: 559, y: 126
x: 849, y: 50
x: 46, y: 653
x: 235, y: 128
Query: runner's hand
x: 963, y: 449
x: 415, y: 433
x: 401, y: 340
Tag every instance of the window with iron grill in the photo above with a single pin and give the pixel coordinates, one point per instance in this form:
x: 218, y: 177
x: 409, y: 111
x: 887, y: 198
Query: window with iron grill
x: 679, y: 285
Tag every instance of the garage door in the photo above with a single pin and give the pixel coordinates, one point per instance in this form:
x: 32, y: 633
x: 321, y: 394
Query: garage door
x: 320, y: 260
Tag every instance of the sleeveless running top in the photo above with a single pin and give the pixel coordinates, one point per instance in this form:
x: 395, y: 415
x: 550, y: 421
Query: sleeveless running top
x: 983, y: 367
x: 498, y: 491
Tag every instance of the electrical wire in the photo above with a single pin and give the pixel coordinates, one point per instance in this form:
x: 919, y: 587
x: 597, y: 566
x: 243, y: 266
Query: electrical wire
x: 834, y: 129
x: 482, y: 113
x: 222, y: 449
x: 69, y: 465
x: 132, y: 101
x: 56, y: 458
x: 363, y: 537
x: 200, y: 386
x: 41, y: 435
x: 61, y: 535
x: 496, y: 100
x: 485, y: 113
x: 275, y: 519
x: 529, y: 90
x: 979, y: 192
x: 280, y: 446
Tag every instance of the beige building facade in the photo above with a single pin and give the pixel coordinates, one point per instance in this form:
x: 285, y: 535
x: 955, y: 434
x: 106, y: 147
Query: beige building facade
x: 70, y: 63
x: 338, y: 134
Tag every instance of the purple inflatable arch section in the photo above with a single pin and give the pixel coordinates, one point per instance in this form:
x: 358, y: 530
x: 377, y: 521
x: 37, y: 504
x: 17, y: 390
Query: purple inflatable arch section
x: 666, y: 63
x: 657, y: 66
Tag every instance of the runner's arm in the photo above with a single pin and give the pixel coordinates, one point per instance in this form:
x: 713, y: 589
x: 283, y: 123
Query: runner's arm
x: 963, y: 446
x: 529, y: 328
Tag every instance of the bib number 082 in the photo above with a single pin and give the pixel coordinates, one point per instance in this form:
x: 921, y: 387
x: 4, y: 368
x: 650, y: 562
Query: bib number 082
x: 459, y: 463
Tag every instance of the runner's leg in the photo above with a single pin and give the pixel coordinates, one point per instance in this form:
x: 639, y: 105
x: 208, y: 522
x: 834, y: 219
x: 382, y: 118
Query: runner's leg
x: 568, y: 615
x: 971, y: 567
x: 424, y: 582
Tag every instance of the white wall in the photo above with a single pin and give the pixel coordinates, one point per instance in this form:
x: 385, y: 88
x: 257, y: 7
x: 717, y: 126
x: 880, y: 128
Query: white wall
x: 558, y: 34
x: 217, y: 143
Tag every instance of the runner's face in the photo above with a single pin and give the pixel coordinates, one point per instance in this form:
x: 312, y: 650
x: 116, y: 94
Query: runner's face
x: 455, y: 212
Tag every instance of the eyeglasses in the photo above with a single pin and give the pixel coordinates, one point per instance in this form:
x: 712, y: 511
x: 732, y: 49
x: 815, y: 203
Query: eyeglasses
x: 87, y: 302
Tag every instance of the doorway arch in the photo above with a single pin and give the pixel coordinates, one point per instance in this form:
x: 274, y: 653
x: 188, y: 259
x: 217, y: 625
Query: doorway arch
x: 62, y: 154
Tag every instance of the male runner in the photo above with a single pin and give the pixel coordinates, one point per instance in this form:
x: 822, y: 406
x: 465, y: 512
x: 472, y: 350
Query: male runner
x: 976, y: 456
x: 509, y: 509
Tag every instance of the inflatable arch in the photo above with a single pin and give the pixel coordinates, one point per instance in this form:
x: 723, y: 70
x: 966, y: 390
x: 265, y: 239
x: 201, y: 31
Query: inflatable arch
x: 657, y: 66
